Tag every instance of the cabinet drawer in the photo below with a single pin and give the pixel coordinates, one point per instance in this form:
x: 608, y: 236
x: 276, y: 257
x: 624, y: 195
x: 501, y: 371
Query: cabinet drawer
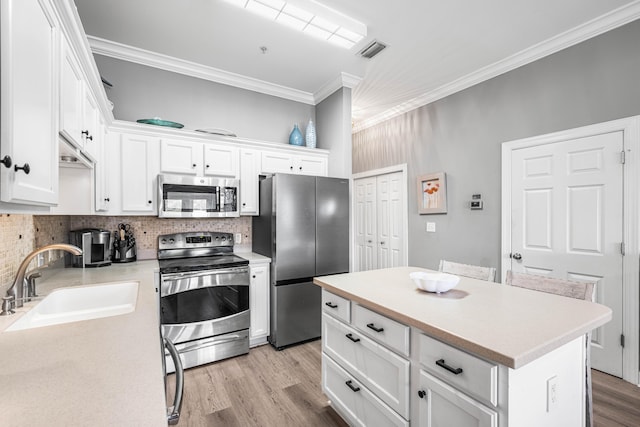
x: 382, y: 371
x: 353, y: 400
x: 476, y: 376
x: 382, y: 329
x: 336, y: 306
x: 442, y: 405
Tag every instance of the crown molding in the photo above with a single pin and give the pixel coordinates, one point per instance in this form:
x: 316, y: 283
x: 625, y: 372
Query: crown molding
x: 593, y: 28
x: 343, y: 80
x: 136, y: 55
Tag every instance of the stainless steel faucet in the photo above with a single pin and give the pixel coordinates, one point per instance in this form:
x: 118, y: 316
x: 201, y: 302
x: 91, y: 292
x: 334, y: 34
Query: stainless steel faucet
x: 15, y: 294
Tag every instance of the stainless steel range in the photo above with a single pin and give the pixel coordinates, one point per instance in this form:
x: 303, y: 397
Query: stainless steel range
x: 204, y: 297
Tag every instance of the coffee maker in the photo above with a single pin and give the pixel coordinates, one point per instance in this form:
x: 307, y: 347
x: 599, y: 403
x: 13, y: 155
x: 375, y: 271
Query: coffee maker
x: 124, y: 244
x: 96, y: 247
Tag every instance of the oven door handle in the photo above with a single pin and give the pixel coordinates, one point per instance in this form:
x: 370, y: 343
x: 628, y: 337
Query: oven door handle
x: 209, y: 342
x: 173, y: 412
x: 173, y: 276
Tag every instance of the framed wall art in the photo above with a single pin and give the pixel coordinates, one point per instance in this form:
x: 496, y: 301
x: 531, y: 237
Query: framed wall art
x: 432, y: 193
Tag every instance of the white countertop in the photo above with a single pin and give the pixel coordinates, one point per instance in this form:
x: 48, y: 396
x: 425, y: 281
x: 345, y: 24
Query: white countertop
x: 100, y: 372
x: 508, y: 325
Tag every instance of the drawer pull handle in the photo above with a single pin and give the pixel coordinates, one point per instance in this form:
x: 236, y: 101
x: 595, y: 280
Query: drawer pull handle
x: 352, y: 387
x: 422, y: 394
x: 443, y: 364
x: 350, y: 336
x: 372, y: 326
x: 331, y: 305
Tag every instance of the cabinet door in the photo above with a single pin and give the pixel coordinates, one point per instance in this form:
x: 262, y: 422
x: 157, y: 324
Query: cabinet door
x: 71, y: 89
x: 277, y: 162
x: 442, y: 406
x: 310, y: 165
x: 29, y: 103
x: 220, y: 160
x: 90, y: 132
x: 249, y: 170
x: 139, y: 170
x: 182, y: 157
x: 259, y: 302
x: 101, y: 170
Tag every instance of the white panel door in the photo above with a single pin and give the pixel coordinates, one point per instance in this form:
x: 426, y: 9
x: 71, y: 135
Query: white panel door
x: 389, y: 224
x: 567, y: 222
x: 365, y: 224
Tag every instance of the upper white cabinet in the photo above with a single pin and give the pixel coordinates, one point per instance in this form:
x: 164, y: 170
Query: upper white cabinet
x: 79, y: 112
x: 29, y: 105
x: 288, y: 162
x: 197, y: 158
x: 249, y: 171
x: 139, y: 167
x: 102, y: 170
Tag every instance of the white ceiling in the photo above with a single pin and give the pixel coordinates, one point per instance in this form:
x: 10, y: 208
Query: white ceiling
x: 434, y: 47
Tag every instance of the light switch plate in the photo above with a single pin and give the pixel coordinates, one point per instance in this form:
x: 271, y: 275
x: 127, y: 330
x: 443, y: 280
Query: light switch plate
x: 237, y: 238
x: 431, y: 227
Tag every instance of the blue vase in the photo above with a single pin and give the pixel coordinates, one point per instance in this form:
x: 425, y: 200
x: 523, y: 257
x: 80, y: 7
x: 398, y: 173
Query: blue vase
x: 296, y: 136
x: 311, y: 135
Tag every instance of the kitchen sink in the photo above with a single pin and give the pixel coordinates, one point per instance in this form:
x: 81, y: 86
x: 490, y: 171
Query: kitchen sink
x: 80, y: 303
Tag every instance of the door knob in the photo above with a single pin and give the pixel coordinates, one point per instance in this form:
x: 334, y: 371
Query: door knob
x: 422, y: 394
x: 6, y: 161
x: 382, y: 243
x: 516, y: 256
x: 25, y: 168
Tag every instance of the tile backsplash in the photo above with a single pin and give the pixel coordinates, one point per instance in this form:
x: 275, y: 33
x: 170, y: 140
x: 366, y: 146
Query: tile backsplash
x: 21, y: 234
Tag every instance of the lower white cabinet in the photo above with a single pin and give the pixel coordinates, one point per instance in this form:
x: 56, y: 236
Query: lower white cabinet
x: 351, y: 361
x: 353, y: 400
x: 259, y: 303
x: 441, y: 405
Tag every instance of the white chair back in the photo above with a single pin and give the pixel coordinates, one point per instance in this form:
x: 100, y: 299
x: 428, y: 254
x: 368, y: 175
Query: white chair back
x: 467, y: 270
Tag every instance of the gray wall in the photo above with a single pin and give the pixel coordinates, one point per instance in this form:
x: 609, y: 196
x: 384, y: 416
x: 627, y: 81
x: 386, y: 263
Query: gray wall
x: 592, y: 82
x: 141, y: 92
x: 334, y: 131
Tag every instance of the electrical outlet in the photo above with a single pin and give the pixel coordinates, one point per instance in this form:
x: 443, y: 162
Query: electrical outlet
x: 431, y: 227
x: 552, y: 393
x: 237, y: 238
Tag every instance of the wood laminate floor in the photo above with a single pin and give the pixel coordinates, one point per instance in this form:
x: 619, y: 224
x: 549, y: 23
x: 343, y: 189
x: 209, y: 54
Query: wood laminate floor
x: 282, y: 388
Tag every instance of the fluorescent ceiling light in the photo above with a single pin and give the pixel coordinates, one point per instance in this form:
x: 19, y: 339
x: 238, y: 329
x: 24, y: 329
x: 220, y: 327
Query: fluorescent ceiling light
x: 310, y: 17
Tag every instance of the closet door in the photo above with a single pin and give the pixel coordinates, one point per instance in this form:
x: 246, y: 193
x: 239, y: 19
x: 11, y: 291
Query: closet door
x: 390, y: 224
x: 379, y: 222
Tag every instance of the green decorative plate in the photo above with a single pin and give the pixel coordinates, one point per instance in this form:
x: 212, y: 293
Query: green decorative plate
x: 159, y: 122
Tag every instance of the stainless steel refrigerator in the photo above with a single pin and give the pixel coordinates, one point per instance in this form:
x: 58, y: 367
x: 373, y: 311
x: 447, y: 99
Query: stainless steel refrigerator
x: 303, y: 227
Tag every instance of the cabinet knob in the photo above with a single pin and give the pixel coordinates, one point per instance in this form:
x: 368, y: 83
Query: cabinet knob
x: 369, y: 241
x: 86, y: 134
x: 193, y: 165
x: 244, y: 204
x: 207, y: 166
x: 422, y: 394
x: 149, y: 201
x: 26, y: 168
x: 254, y: 276
x: 382, y: 243
x: 6, y: 161
x: 291, y: 167
x: 300, y: 168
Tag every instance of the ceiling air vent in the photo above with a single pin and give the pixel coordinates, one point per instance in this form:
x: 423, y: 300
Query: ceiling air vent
x: 372, y: 49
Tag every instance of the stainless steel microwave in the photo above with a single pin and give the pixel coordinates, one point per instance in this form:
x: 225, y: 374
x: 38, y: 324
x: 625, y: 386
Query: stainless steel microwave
x: 182, y: 196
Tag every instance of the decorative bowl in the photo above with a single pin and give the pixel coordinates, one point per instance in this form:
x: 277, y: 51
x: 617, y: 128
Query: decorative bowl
x: 434, y: 282
x: 159, y: 122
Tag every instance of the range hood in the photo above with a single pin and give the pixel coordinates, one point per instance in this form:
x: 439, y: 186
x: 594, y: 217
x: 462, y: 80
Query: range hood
x: 73, y: 157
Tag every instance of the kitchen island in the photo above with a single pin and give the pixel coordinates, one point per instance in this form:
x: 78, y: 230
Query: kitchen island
x: 481, y: 353
x: 99, y: 372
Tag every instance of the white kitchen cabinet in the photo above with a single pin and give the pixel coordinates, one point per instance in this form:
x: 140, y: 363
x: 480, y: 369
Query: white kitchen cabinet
x: 79, y: 115
x: 249, y: 171
x: 441, y: 405
x: 355, y: 402
x: 29, y: 105
x: 259, y: 303
x: 103, y: 170
x: 199, y: 159
x: 139, y: 168
x: 378, y: 373
x: 288, y: 162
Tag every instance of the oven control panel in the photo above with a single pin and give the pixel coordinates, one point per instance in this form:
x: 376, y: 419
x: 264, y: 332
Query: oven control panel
x: 196, y: 239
